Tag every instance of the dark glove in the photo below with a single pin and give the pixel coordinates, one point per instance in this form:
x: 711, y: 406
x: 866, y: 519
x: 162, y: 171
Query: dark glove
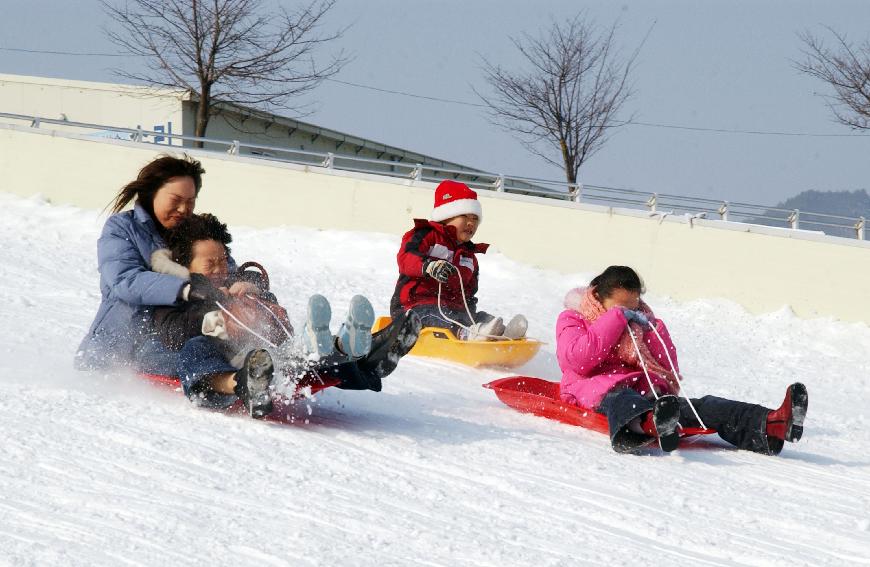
x: 439, y: 270
x: 635, y: 317
x: 201, y: 289
x: 253, y: 277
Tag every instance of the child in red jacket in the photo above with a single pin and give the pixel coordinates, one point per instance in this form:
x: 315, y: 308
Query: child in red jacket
x: 438, y: 269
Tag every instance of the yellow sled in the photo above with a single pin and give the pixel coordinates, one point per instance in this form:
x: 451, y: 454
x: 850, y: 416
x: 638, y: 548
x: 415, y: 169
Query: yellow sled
x: 435, y: 342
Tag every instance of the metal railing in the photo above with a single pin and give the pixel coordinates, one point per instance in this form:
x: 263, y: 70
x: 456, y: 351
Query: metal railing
x: 659, y: 205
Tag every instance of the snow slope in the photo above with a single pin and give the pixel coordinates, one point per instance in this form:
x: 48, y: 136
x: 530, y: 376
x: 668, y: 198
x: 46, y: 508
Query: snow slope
x: 105, y: 470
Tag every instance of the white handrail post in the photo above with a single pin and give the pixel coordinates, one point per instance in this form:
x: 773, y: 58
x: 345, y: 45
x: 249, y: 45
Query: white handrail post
x: 329, y: 161
x: 417, y: 174
x: 35, y: 123
x: 652, y: 202
x: 234, y: 148
x: 499, y: 183
x: 723, y: 211
x: 859, y: 228
x: 577, y: 193
x: 137, y: 137
x: 794, y: 219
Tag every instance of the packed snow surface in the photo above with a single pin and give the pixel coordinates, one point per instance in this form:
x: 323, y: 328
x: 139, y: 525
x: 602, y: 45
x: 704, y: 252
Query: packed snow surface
x: 107, y: 470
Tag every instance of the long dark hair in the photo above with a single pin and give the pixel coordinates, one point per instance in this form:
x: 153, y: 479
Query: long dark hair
x: 616, y: 277
x: 154, y: 176
x: 194, y: 228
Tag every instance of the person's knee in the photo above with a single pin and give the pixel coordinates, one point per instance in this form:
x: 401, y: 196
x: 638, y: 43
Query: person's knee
x: 483, y: 317
x: 197, y: 345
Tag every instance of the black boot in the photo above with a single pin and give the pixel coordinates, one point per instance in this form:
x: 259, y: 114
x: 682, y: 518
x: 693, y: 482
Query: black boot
x: 253, y: 381
x: 666, y: 417
x: 391, y: 344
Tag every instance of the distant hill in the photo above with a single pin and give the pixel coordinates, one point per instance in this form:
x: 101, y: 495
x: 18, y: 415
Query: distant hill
x: 851, y: 204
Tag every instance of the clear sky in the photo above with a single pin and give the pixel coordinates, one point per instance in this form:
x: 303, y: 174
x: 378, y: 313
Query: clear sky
x: 725, y: 65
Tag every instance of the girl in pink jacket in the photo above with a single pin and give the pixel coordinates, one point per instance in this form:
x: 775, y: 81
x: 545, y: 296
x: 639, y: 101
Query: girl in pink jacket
x: 602, y: 369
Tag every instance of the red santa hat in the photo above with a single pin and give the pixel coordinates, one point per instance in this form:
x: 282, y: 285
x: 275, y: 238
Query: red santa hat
x: 452, y: 199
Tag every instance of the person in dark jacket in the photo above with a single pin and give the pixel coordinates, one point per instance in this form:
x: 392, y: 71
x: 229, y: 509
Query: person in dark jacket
x: 210, y: 353
x: 438, y: 269
x: 131, y: 244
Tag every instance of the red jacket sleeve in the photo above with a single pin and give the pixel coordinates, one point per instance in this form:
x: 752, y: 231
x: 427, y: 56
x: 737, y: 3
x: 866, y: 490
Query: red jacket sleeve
x: 415, y: 247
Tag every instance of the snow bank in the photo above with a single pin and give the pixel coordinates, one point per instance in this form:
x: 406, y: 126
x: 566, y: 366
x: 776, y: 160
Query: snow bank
x: 105, y: 470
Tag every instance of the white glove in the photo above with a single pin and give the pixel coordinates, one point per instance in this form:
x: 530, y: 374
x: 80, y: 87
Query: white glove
x: 214, y: 325
x: 161, y: 262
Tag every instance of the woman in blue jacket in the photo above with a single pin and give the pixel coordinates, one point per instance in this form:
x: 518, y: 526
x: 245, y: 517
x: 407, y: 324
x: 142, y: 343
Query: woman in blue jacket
x: 165, y: 193
x: 130, y: 247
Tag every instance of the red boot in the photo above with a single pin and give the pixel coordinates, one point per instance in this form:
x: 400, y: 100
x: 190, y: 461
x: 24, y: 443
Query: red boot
x: 787, y: 422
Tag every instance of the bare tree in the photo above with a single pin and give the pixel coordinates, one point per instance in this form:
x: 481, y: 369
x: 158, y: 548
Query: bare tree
x: 569, y: 96
x: 225, y: 51
x: 846, y: 68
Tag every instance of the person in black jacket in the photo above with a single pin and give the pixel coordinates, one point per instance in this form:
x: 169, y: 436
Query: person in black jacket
x: 213, y: 356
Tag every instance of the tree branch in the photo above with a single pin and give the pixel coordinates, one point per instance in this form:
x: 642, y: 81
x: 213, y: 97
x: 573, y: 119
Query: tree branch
x: 229, y: 51
x: 567, y: 98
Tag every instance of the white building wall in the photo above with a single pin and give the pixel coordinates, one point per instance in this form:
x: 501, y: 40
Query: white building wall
x: 91, y: 102
x: 166, y: 110
x: 762, y: 268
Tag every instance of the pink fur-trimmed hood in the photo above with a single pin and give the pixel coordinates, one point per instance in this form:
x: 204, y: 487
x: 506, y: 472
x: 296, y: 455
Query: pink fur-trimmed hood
x: 574, y: 298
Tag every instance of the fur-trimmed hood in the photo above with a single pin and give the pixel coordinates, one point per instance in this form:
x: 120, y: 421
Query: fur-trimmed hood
x: 574, y: 298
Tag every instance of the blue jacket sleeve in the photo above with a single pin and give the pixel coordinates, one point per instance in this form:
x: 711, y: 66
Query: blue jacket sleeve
x: 127, y: 274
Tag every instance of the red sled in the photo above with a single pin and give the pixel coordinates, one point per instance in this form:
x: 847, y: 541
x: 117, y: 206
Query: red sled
x: 541, y: 397
x: 280, y: 414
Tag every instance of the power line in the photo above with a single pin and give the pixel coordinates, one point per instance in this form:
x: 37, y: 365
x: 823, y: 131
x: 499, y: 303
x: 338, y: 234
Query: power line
x: 403, y: 93
x: 478, y: 105
x: 72, y: 53
x: 627, y: 123
x: 736, y: 131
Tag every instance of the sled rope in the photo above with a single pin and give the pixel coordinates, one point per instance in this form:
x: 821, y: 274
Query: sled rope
x: 245, y: 327
x: 677, y: 375
x: 444, y: 315
x: 267, y: 341
x: 643, y: 365
x: 673, y: 368
x: 467, y: 310
x: 642, y: 362
x: 310, y: 367
x: 272, y: 313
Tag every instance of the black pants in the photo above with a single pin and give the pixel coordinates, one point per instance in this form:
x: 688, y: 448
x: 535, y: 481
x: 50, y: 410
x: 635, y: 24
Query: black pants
x: 430, y: 316
x: 739, y: 423
x: 388, y: 346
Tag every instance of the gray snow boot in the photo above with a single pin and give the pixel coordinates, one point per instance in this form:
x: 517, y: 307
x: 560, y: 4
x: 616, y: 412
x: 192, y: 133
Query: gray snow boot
x: 516, y: 328
x: 316, y: 333
x: 355, y: 334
